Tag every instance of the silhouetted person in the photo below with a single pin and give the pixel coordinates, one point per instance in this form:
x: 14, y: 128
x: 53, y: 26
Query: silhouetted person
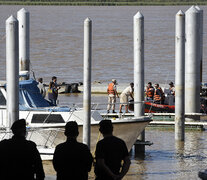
x: 72, y: 160
x: 19, y: 158
x: 110, y: 151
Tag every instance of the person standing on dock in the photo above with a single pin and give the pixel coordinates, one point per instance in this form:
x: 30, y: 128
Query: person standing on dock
x: 172, y: 89
x: 54, y: 79
x: 20, y: 158
x: 149, y: 91
x: 110, y: 152
x: 124, y: 97
x: 41, y: 87
x: 159, y: 96
x: 72, y: 160
x: 52, y: 93
x: 112, y: 94
x: 171, y: 94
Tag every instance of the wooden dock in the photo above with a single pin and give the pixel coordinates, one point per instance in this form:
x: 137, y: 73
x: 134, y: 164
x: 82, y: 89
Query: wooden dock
x: 193, y: 120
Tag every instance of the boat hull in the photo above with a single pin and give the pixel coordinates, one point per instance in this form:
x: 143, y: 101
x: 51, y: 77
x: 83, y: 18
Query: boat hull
x: 158, y: 108
x: 154, y: 108
x: 128, y: 130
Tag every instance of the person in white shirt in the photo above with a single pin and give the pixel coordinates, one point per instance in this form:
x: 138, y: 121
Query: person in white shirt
x: 41, y: 87
x: 124, y: 97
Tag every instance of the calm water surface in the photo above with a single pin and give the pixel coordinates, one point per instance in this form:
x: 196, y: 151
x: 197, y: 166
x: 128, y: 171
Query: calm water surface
x: 166, y: 160
x: 57, y: 49
x: 57, y: 41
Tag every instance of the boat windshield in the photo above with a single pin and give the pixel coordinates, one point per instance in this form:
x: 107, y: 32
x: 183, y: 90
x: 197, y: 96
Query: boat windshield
x: 2, y: 99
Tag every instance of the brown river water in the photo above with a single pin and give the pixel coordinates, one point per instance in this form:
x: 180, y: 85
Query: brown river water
x: 56, y: 42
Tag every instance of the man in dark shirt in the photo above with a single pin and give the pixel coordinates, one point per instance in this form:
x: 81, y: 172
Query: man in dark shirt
x: 20, y: 158
x: 72, y: 160
x: 110, y: 151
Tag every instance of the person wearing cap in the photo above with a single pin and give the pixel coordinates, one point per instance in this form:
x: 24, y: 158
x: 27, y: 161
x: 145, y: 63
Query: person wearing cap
x: 124, y: 97
x: 19, y: 157
x: 112, y: 94
x: 72, y: 159
x: 159, y: 96
x: 110, y: 152
x: 149, y: 91
x: 172, y: 89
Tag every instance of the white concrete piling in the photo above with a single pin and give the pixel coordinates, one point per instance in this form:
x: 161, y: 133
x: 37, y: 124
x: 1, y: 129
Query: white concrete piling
x: 138, y: 64
x: 23, y: 17
x: 201, y: 41
x: 139, y: 74
x: 180, y: 76
x: 87, y: 81
x: 12, y: 70
x: 192, y: 61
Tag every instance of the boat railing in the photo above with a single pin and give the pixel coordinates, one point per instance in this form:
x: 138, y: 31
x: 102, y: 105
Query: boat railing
x: 72, y: 110
x: 96, y: 106
x: 46, y: 136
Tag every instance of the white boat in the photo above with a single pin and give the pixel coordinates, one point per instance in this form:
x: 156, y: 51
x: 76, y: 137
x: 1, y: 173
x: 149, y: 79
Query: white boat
x: 46, y: 123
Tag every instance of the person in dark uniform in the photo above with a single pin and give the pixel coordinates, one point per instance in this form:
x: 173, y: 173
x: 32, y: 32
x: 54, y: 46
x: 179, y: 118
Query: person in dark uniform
x: 72, y: 160
x: 57, y: 86
x: 110, y: 151
x: 52, y: 93
x: 19, y: 157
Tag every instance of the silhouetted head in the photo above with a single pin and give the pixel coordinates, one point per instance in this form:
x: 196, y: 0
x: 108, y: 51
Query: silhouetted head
x: 19, y: 127
x: 71, y: 129
x: 106, y: 127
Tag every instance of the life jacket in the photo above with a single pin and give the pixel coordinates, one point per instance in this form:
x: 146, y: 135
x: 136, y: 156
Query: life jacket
x: 49, y: 90
x: 149, y: 92
x: 157, y: 97
x: 110, y: 89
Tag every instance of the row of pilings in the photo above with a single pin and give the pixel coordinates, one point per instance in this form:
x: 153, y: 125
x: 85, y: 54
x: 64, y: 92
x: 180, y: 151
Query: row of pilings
x: 18, y: 59
x: 188, y: 65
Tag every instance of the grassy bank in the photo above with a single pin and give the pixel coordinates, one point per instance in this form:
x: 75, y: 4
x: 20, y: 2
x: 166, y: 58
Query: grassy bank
x: 94, y: 3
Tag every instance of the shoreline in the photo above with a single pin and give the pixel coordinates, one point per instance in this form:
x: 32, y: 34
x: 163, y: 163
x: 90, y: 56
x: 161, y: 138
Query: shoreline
x: 92, y: 3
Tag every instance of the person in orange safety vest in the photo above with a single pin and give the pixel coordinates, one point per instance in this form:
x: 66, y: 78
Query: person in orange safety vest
x: 159, y: 96
x: 149, y: 91
x: 112, y: 94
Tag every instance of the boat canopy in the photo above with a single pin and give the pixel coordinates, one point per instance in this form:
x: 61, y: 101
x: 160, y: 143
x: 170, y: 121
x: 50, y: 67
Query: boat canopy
x: 31, y: 99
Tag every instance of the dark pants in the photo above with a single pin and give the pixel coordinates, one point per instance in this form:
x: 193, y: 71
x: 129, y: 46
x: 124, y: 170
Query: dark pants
x: 53, y: 101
